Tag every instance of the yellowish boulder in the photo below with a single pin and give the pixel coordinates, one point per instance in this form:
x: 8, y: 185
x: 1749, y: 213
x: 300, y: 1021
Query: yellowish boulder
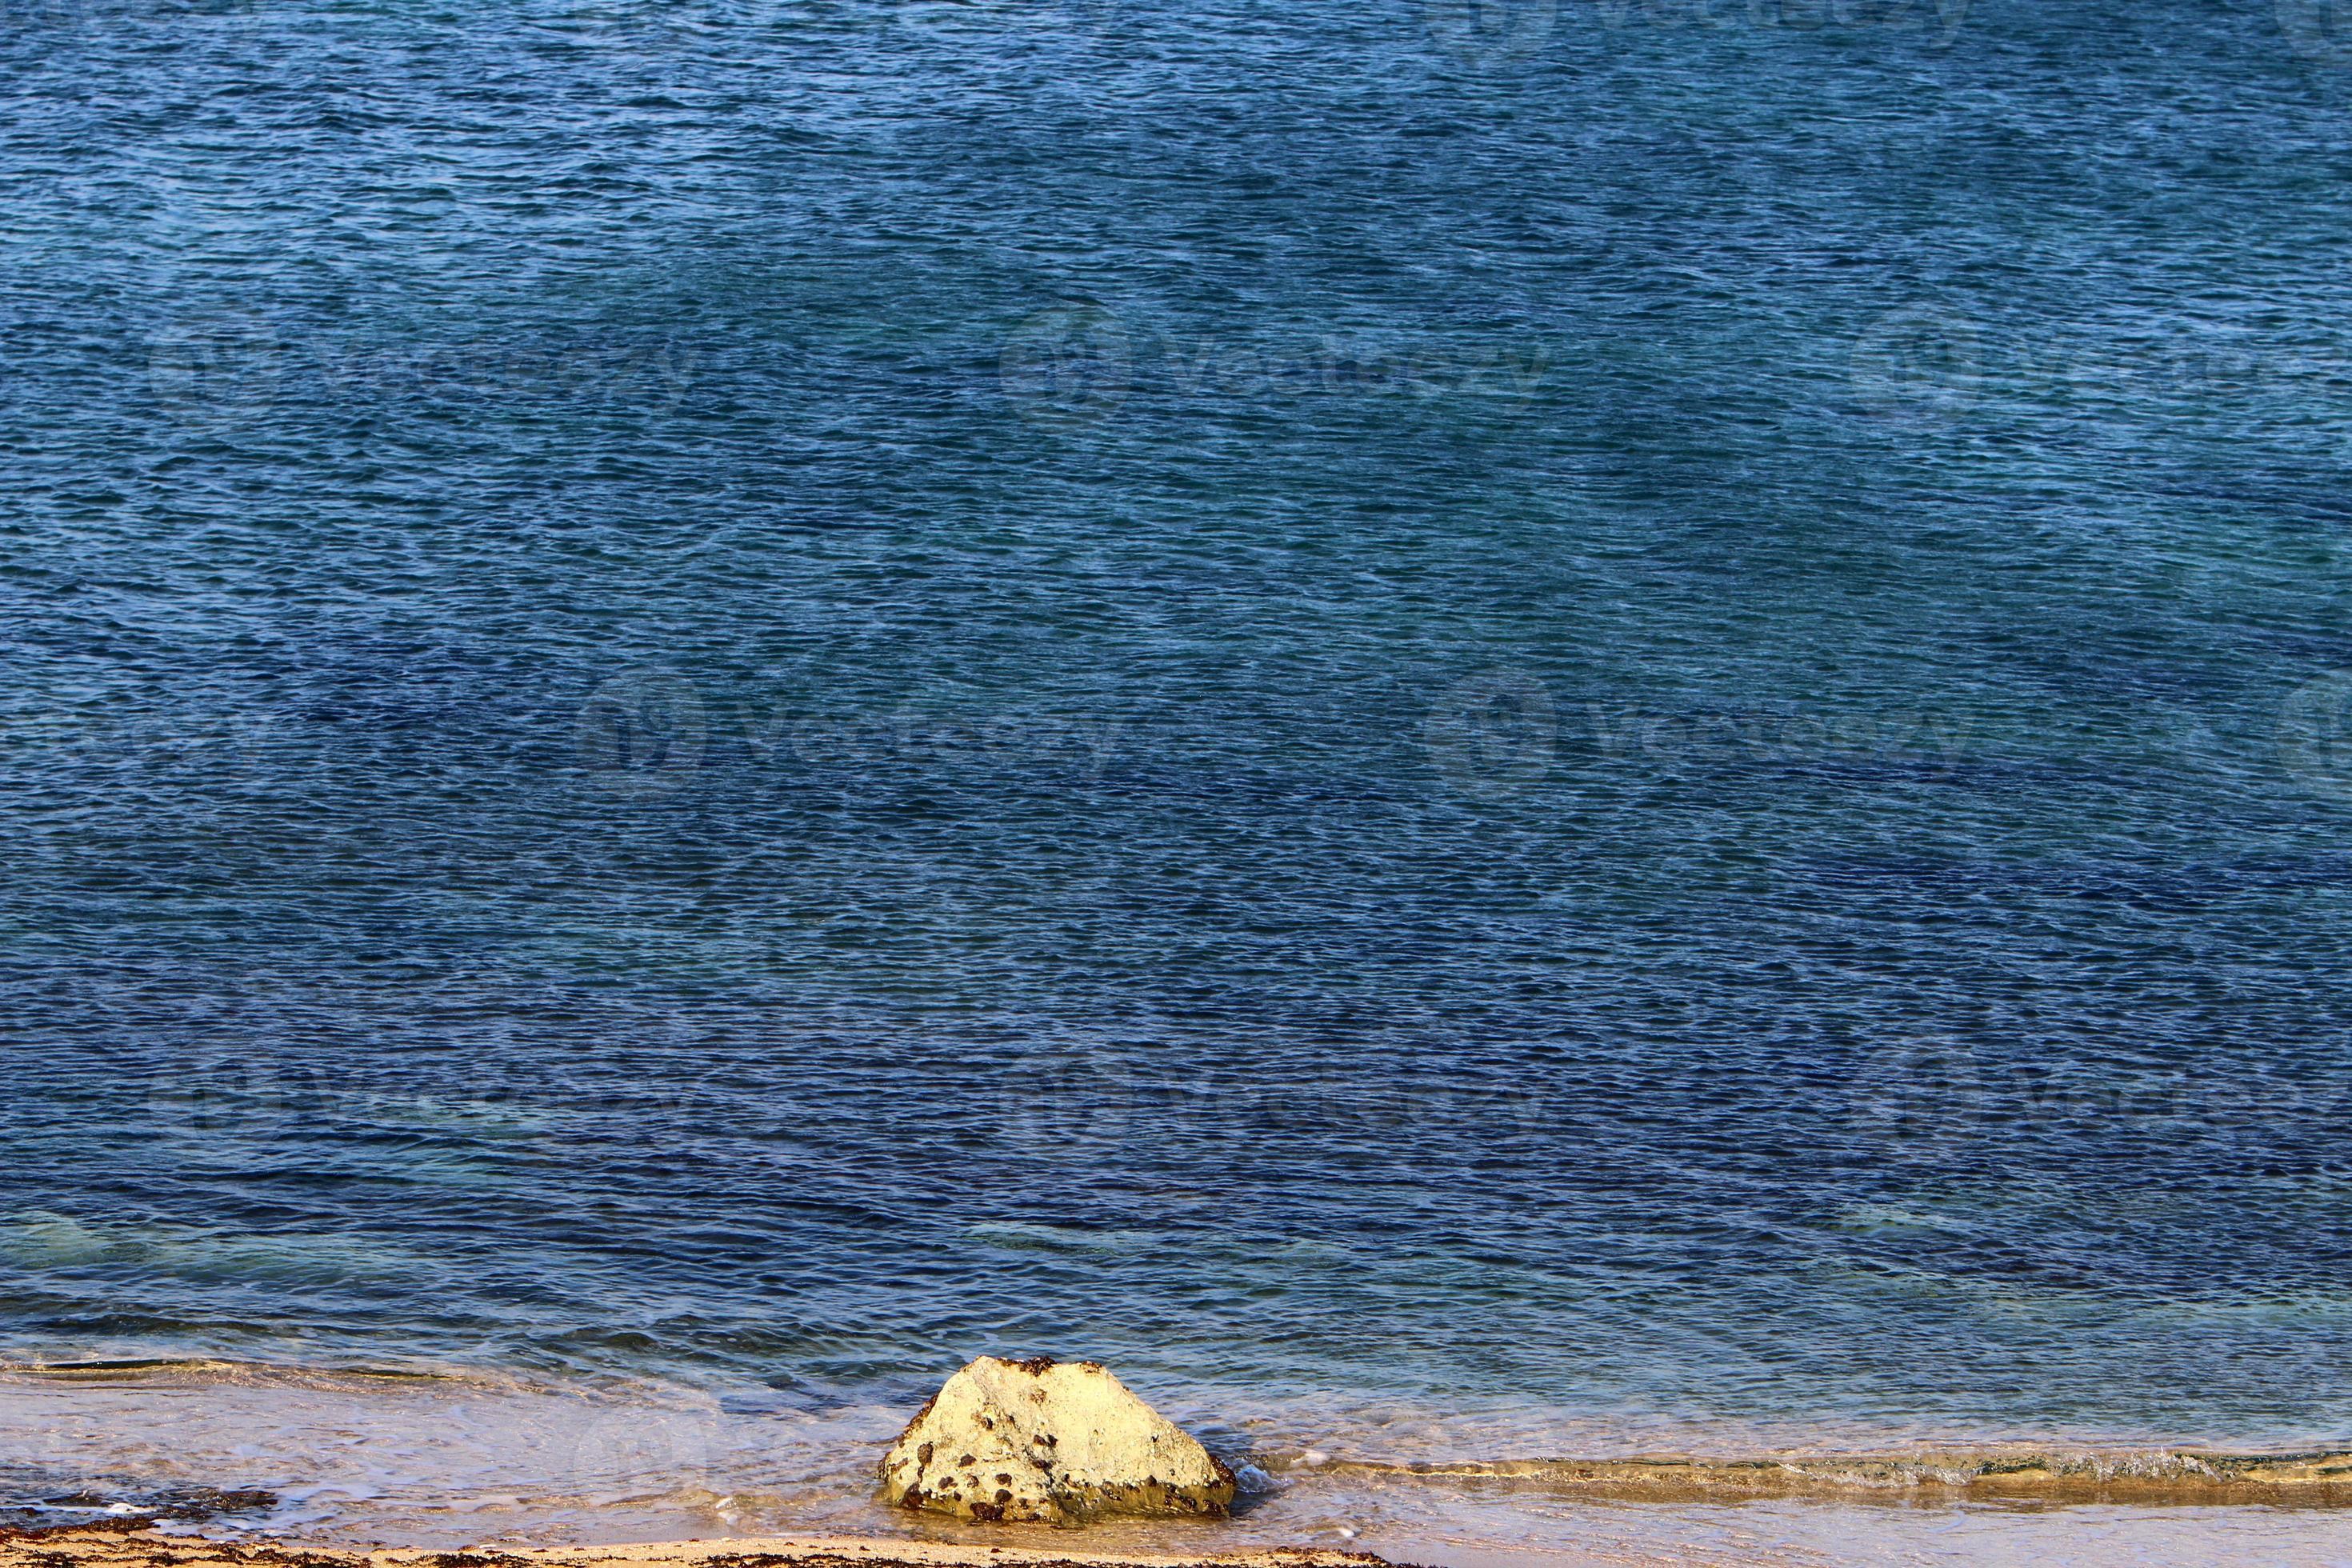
x: 1048, y: 1442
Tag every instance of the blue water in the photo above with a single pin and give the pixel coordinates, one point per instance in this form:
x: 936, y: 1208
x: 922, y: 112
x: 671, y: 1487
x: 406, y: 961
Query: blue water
x: 1616, y: 712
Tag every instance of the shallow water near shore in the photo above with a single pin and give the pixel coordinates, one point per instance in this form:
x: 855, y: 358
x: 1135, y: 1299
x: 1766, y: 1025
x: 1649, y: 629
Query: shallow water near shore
x: 1469, y: 733
x: 445, y: 1461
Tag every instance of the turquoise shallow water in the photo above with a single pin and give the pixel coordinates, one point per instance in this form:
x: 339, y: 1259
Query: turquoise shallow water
x: 1556, y: 729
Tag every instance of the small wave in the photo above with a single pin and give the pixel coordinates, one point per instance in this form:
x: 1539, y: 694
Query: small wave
x: 136, y: 1506
x: 213, y: 1371
x: 1024, y: 1236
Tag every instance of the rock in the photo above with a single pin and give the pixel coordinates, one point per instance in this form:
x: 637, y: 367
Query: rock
x: 1048, y: 1442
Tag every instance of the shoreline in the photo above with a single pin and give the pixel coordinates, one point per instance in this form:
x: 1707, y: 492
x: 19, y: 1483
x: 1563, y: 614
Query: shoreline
x: 1922, y: 1476
x: 104, y: 1546
x: 2153, y: 1477
x: 2017, y: 1506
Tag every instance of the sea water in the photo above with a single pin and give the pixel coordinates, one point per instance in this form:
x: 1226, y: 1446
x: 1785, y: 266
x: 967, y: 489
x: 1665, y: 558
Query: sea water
x: 1467, y: 731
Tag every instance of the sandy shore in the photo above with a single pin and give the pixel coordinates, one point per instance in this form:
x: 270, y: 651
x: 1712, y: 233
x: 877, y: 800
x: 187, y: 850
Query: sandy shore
x: 2002, y: 1508
x: 100, y: 1547
x: 2022, y: 1506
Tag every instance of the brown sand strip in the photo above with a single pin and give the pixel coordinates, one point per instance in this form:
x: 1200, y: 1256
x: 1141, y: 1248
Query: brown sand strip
x: 2311, y: 1480
x: 96, y: 1546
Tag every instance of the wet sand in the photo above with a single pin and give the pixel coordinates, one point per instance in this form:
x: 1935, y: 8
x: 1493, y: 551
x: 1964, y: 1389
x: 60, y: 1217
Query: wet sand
x: 2007, y: 1506
x: 2019, y: 1473
x: 98, y: 1546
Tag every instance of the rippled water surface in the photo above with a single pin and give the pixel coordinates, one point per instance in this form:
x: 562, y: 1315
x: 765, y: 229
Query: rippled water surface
x: 1516, y: 730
